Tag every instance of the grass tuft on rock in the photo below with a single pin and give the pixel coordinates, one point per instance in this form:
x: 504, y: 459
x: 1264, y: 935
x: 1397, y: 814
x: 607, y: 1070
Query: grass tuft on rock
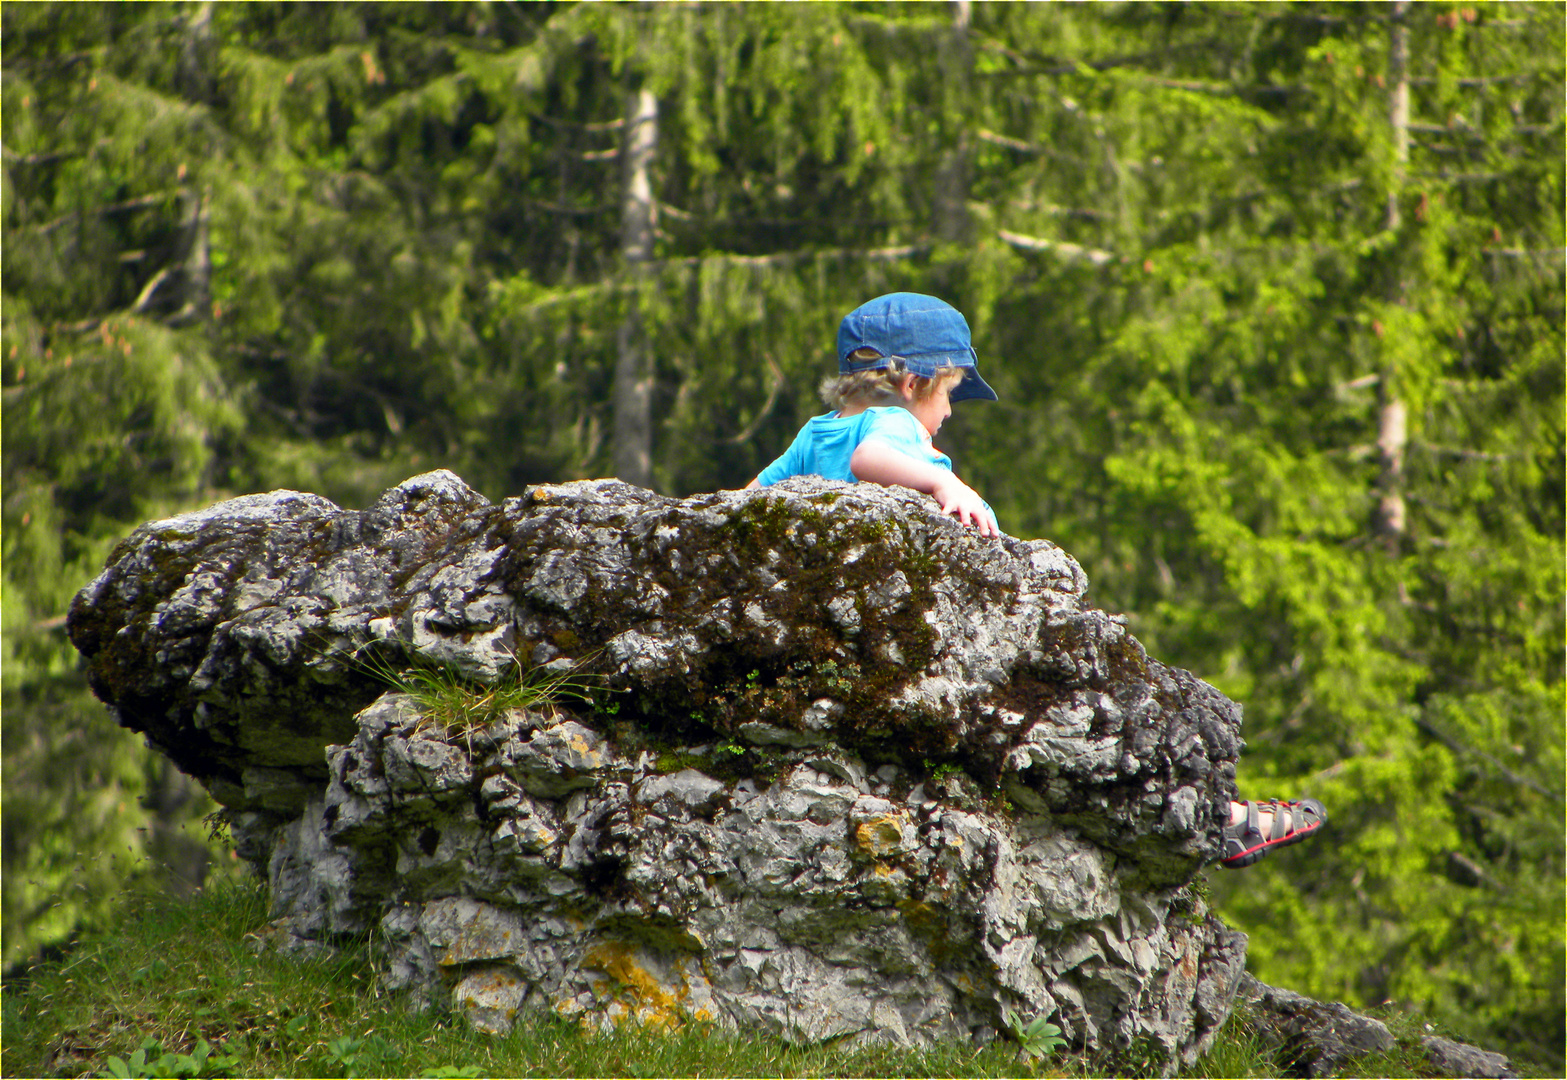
x: 461, y: 705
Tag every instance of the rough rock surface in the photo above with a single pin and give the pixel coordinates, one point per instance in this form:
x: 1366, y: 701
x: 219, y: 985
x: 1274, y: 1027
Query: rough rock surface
x: 853, y: 770
x: 1318, y: 1039
x: 1451, y: 1058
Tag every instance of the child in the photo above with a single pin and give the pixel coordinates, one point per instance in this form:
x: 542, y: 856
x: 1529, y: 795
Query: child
x: 903, y: 359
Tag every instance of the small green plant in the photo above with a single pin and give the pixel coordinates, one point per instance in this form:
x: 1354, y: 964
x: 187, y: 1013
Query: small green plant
x: 150, y: 1060
x: 940, y: 772
x: 366, y: 1056
x: 453, y: 1072
x: 1038, y: 1039
x: 1191, y: 901
x: 728, y: 746
x: 838, y: 679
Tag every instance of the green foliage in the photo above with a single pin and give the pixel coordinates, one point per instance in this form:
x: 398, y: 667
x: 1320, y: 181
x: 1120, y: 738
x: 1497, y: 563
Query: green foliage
x: 150, y: 1060
x: 1037, y: 1039
x: 367, y: 1056
x: 942, y: 771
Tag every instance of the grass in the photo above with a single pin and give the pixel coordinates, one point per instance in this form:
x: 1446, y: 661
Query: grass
x: 461, y: 706
x: 179, y: 974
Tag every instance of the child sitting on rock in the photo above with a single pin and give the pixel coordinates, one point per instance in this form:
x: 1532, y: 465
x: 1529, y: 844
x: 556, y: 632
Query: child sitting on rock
x: 903, y: 359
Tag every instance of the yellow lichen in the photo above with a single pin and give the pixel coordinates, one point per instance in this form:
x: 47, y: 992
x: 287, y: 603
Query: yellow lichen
x: 638, y: 993
x: 880, y: 836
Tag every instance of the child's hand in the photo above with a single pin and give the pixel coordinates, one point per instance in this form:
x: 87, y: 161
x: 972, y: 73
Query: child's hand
x: 880, y: 463
x: 963, y: 502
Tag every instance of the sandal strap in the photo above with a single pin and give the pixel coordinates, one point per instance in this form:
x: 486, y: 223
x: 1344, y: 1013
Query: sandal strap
x: 1284, y: 820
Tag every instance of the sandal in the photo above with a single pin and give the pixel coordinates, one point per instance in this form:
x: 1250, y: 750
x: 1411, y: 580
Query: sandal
x: 1244, y: 843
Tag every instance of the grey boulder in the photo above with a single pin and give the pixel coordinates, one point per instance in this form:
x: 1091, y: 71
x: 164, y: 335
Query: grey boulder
x: 849, y: 771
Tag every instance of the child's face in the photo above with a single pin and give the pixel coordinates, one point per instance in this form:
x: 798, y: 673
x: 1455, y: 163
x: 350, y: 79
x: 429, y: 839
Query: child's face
x: 933, y: 410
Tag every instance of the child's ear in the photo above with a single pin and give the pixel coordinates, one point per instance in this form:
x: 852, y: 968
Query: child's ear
x: 906, y: 385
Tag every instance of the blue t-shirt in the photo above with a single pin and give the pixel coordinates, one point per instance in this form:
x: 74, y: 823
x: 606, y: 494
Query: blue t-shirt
x: 827, y: 442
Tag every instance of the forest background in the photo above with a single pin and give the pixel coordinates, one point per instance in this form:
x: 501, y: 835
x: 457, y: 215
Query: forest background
x: 1272, y: 295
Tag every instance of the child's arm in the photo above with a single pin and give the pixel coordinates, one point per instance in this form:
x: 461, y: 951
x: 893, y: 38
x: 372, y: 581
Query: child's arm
x: 881, y: 463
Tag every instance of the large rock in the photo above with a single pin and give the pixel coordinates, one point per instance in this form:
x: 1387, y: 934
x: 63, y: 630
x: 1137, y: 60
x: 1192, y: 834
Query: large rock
x: 853, y: 770
x: 1315, y: 1039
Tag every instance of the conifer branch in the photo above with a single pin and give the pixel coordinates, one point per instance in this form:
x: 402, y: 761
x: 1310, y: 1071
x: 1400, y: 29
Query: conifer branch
x: 1462, y: 452
x: 39, y: 159
x: 145, y: 296
x: 1221, y: 89
x: 1462, y: 178
x: 581, y: 211
x: 113, y: 208
x: 750, y: 429
x: 1459, y: 748
x: 788, y: 258
x: 997, y: 139
x: 1062, y: 66
x: 1527, y: 253
x: 1059, y: 247
x: 1479, y: 84
x: 556, y: 122
x: 1426, y: 128
x: 692, y: 262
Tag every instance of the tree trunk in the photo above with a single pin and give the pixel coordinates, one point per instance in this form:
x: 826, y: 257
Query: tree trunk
x: 194, y: 80
x: 633, y: 440
x: 951, y: 222
x: 193, y: 69
x: 196, y: 267
x: 1392, y: 426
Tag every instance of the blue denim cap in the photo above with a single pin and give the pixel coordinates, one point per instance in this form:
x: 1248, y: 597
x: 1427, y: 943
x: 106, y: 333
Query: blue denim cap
x: 923, y: 332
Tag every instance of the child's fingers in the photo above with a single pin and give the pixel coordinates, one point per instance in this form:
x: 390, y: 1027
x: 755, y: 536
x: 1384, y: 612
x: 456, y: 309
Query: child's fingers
x: 970, y: 515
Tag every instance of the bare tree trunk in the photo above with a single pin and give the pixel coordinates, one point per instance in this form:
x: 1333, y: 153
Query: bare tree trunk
x: 633, y: 439
x: 951, y: 222
x: 195, y: 277
x: 1392, y: 426
x: 194, y: 79
x: 1398, y: 106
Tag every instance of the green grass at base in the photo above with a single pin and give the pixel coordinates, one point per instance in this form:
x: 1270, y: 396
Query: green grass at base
x: 176, y: 973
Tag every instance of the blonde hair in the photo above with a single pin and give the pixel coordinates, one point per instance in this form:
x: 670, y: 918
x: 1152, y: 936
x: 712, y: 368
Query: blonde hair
x: 879, y: 386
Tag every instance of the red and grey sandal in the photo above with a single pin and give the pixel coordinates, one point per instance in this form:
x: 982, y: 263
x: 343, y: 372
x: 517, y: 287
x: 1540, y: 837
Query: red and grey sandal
x: 1244, y: 842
